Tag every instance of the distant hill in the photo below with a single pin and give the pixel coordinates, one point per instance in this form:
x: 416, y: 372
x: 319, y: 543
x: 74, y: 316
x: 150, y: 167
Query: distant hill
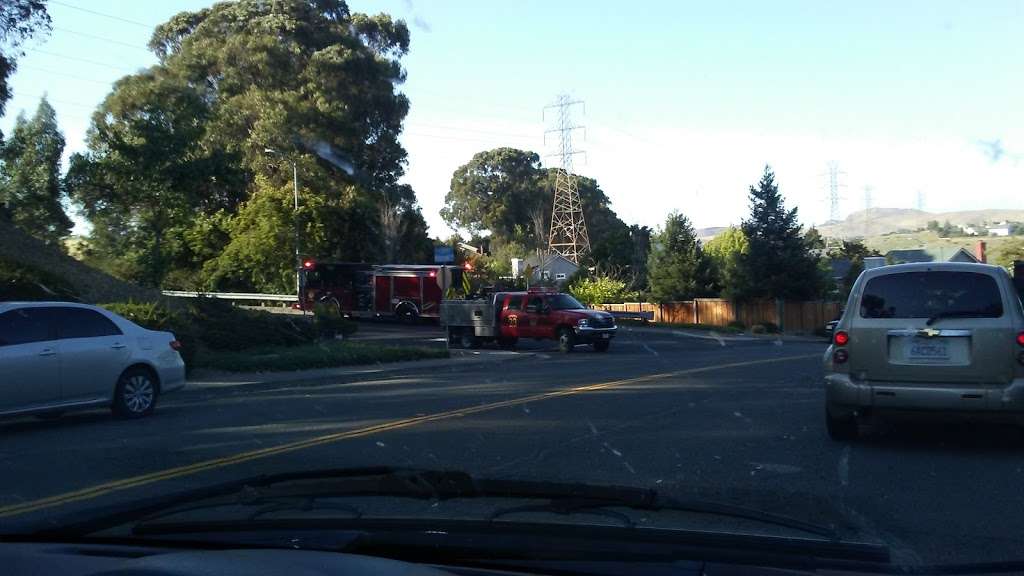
x: 878, y: 221
x: 85, y: 282
x: 705, y: 234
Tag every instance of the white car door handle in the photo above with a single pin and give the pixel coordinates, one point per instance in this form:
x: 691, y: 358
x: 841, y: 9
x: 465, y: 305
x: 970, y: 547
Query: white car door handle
x: 47, y: 352
x: 118, y: 346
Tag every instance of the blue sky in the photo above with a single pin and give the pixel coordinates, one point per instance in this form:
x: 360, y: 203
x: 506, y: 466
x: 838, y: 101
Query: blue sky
x: 685, y: 101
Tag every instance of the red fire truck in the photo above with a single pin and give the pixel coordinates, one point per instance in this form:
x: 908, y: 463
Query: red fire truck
x: 405, y: 291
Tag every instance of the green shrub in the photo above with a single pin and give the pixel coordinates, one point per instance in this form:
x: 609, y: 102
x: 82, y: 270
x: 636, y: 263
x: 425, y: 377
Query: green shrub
x: 765, y: 328
x: 598, y: 290
x: 20, y: 282
x: 319, y: 355
x: 736, y: 324
x: 157, y: 316
x: 224, y: 327
x: 329, y: 322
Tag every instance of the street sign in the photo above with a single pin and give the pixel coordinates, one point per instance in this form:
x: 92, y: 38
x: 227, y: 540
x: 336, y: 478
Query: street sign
x: 444, y: 255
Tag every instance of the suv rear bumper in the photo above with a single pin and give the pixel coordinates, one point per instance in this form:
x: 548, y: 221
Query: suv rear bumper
x: 844, y: 396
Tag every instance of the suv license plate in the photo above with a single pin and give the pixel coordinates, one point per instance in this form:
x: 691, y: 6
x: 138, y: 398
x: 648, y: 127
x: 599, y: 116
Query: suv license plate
x: 927, y: 350
x: 606, y: 336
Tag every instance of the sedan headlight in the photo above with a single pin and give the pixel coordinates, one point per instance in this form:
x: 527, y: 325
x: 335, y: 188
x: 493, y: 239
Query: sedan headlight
x: 582, y: 322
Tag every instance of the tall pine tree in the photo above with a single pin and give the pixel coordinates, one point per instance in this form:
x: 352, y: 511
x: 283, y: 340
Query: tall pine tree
x: 30, y: 185
x: 677, y: 268
x: 778, y: 263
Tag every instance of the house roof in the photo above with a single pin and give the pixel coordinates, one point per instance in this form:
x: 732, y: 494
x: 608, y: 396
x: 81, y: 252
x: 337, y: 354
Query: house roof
x: 545, y: 260
x: 939, y: 254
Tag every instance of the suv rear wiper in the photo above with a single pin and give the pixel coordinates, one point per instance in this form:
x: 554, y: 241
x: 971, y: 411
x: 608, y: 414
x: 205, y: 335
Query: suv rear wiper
x: 300, y: 490
x: 955, y: 314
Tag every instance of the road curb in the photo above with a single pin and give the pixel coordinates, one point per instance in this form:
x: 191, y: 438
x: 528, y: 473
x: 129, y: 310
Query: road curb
x: 460, y: 360
x: 726, y: 336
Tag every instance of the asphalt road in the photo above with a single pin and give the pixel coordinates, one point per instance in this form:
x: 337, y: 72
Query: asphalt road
x: 732, y: 420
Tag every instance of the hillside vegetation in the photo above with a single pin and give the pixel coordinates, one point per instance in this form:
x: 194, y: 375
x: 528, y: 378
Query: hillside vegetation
x: 31, y: 269
x: 878, y: 221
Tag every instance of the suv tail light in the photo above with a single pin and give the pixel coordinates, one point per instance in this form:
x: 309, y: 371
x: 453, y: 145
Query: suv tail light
x: 840, y: 355
x: 175, y: 344
x: 1020, y: 339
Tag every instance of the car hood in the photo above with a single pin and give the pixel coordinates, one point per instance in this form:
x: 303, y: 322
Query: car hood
x: 590, y: 314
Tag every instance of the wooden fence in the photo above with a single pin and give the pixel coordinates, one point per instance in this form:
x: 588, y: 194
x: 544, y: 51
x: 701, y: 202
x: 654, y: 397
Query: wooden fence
x: 790, y: 316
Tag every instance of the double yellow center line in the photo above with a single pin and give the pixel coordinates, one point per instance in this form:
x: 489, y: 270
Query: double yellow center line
x: 180, y: 471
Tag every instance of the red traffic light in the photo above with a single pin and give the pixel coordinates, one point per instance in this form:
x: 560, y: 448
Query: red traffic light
x: 308, y: 264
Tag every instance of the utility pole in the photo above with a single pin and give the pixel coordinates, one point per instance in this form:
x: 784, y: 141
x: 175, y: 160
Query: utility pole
x: 568, y: 235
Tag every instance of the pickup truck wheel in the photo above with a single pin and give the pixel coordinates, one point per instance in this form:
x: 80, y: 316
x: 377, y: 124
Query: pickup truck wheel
x: 602, y: 345
x: 566, y: 340
x: 468, y: 340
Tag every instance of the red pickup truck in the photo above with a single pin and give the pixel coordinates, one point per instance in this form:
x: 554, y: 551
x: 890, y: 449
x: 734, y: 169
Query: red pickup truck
x: 506, y: 317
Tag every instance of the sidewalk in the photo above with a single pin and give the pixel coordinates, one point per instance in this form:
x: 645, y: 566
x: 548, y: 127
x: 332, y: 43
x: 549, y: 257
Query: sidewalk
x: 460, y: 360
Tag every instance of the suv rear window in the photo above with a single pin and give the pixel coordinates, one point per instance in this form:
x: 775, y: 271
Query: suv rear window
x: 925, y: 294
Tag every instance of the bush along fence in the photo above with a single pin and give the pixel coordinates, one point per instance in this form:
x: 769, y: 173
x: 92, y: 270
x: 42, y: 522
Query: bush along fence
x: 788, y: 316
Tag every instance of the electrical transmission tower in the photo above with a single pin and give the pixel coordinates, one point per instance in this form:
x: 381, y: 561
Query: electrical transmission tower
x: 833, y: 189
x: 568, y: 235
x: 867, y: 208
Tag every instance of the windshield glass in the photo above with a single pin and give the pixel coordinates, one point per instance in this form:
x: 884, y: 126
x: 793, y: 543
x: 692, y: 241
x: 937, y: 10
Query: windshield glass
x: 588, y: 246
x: 564, y: 302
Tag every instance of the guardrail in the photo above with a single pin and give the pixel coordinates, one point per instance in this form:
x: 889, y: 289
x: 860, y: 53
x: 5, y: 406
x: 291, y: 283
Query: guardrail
x: 232, y: 296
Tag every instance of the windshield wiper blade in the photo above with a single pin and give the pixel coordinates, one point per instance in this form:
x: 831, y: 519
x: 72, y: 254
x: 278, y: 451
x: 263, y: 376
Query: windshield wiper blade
x: 955, y: 314
x: 276, y: 490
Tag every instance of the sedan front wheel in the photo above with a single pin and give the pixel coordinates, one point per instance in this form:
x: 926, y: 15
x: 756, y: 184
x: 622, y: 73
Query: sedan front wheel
x: 136, y: 392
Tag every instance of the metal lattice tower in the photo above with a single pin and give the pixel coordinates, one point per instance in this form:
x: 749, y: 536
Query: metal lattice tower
x: 833, y: 189
x: 568, y: 235
x: 867, y: 208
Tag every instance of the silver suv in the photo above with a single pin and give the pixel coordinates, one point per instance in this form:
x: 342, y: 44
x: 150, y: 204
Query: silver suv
x: 943, y: 338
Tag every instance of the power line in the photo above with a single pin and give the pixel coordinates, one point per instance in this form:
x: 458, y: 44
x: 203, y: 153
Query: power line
x: 59, y: 101
x: 101, y: 38
x: 77, y: 59
x: 475, y: 131
x: 448, y: 137
x: 55, y: 73
x: 103, y: 14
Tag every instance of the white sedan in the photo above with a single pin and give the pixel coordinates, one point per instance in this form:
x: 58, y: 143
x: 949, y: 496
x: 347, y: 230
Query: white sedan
x: 58, y: 356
